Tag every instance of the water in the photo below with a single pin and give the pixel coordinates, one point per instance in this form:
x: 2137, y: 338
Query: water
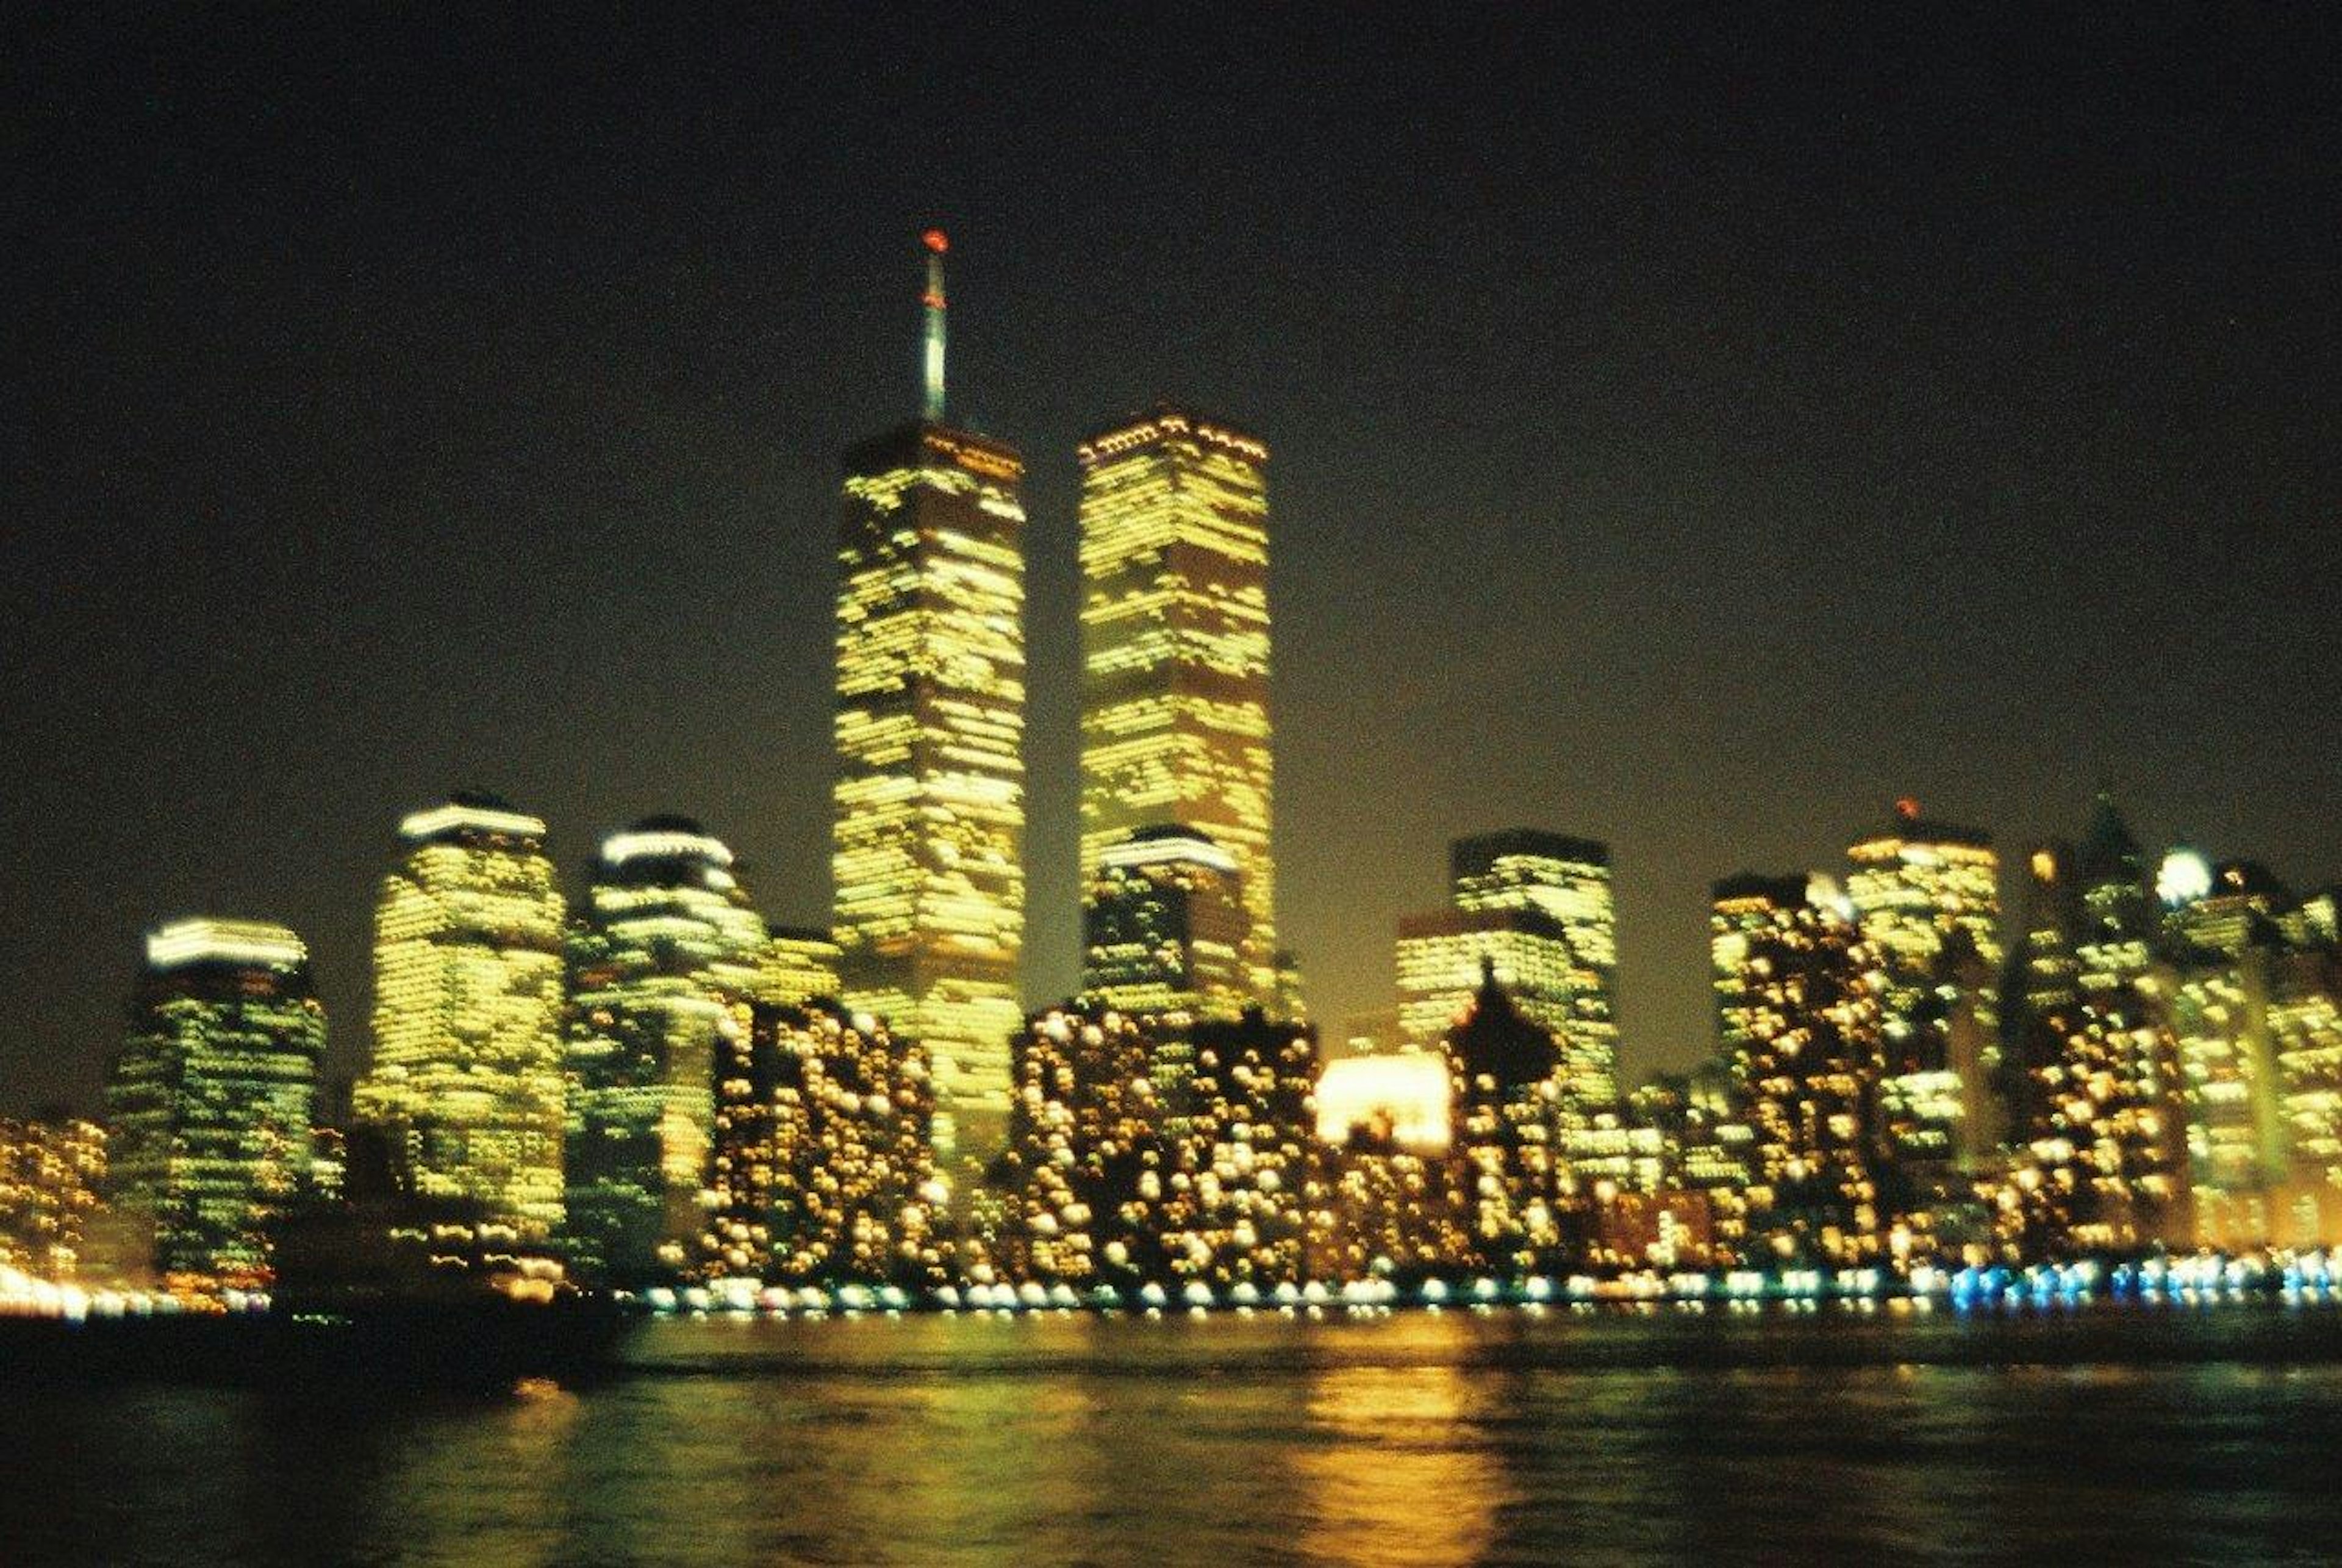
x: 1414, y: 1440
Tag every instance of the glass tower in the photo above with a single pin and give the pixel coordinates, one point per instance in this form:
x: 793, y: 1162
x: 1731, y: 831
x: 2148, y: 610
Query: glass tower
x: 466, y: 1076
x: 664, y: 959
x: 211, y: 1102
x: 1175, y: 649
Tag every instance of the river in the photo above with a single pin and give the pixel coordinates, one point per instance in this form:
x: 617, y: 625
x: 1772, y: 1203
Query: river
x: 1419, y: 1439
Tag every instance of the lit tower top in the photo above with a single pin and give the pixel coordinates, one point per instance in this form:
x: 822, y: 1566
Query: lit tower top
x: 933, y: 300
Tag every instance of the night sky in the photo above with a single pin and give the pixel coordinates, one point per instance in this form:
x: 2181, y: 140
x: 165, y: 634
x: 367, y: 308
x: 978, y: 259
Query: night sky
x: 1692, y: 433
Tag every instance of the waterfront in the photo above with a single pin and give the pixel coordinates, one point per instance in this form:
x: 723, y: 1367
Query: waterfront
x: 1415, y: 1439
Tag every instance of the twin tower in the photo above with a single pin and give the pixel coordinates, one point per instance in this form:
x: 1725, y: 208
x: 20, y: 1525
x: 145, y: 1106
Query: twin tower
x: 929, y: 855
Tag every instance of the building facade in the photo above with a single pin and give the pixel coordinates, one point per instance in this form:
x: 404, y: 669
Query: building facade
x: 211, y: 1104
x: 928, y: 858
x: 52, y: 1180
x: 1175, y: 651
x: 1927, y: 898
x: 467, y: 1080
x: 1164, y: 929
x: 1798, y: 1020
x: 664, y: 959
x: 822, y: 1169
x: 800, y: 965
x: 1538, y: 906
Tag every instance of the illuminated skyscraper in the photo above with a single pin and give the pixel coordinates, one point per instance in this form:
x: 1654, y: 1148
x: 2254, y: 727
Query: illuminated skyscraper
x: 2106, y: 1133
x: 664, y: 959
x: 1165, y: 928
x: 1569, y: 881
x: 466, y: 1076
x: 1175, y: 651
x: 1441, y: 955
x: 2039, y: 985
x: 1926, y: 897
x: 1507, y: 1123
x: 822, y: 1169
x: 928, y: 853
x: 1797, y: 1018
x: 211, y: 1102
x: 51, y: 1175
x: 1087, y: 1163
x: 799, y: 964
x: 2256, y: 992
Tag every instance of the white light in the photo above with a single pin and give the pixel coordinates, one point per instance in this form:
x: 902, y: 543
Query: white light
x: 1154, y: 851
x: 621, y: 847
x: 2184, y: 877
x: 1410, y: 1090
x: 425, y: 824
x: 208, y: 941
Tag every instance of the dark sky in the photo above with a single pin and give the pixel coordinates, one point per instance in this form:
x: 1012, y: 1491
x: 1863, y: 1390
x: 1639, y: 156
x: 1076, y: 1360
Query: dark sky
x: 1692, y: 432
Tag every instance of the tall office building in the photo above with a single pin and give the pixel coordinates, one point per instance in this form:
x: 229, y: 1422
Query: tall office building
x: 2255, y: 997
x: 466, y: 1082
x: 1175, y: 651
x: 665, y: 959
x: 1926, y: 895
x: 1165, y: 928
x: 1567, y: 880
x: 928, y: 854
x: 799, y: 964
x: 1798, y: 1021
x: 2108, y: 1143
x: 52, y: 1179
x: 2039, y: 986
x: 1538, y: 906
x: 1440, y: 956
x: 211, y: 1102
x: 1086, y: 1161
x: 822, y: 1168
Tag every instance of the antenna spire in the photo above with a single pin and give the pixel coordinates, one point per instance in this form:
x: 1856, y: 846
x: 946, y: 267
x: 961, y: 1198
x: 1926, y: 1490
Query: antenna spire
x: 933, y: 301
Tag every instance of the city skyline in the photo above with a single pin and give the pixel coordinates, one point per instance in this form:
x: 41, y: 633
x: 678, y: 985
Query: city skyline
x: 2023, y: 624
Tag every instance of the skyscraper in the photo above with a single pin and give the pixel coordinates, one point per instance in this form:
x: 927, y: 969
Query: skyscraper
x: 822, y: 1169
x: 663, y: 959
x: 52, y: 1176
x: 1567, y: 880
x: 1164, y: 929
x: 1175, y: 649
x: 929, y: 853
x: 2108, y: 1122
x: 1440, y: 956
x: 466, y: 1075
x: 799, y: 964
x: 1798, y: 1020
x: 1538, y: 905
x: 210, y: 1103
x: 1926, y: 895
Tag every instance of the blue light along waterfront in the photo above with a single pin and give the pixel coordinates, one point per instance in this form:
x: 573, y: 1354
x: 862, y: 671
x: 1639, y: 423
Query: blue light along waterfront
x: 1610, y: 1434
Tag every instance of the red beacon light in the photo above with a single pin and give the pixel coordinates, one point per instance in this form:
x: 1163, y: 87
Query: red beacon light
x: 936, y: 242
x: 1908, y: 809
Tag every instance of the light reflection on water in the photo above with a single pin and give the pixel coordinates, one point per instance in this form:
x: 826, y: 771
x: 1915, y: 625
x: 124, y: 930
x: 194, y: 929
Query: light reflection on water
x: 1418, y: 1440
